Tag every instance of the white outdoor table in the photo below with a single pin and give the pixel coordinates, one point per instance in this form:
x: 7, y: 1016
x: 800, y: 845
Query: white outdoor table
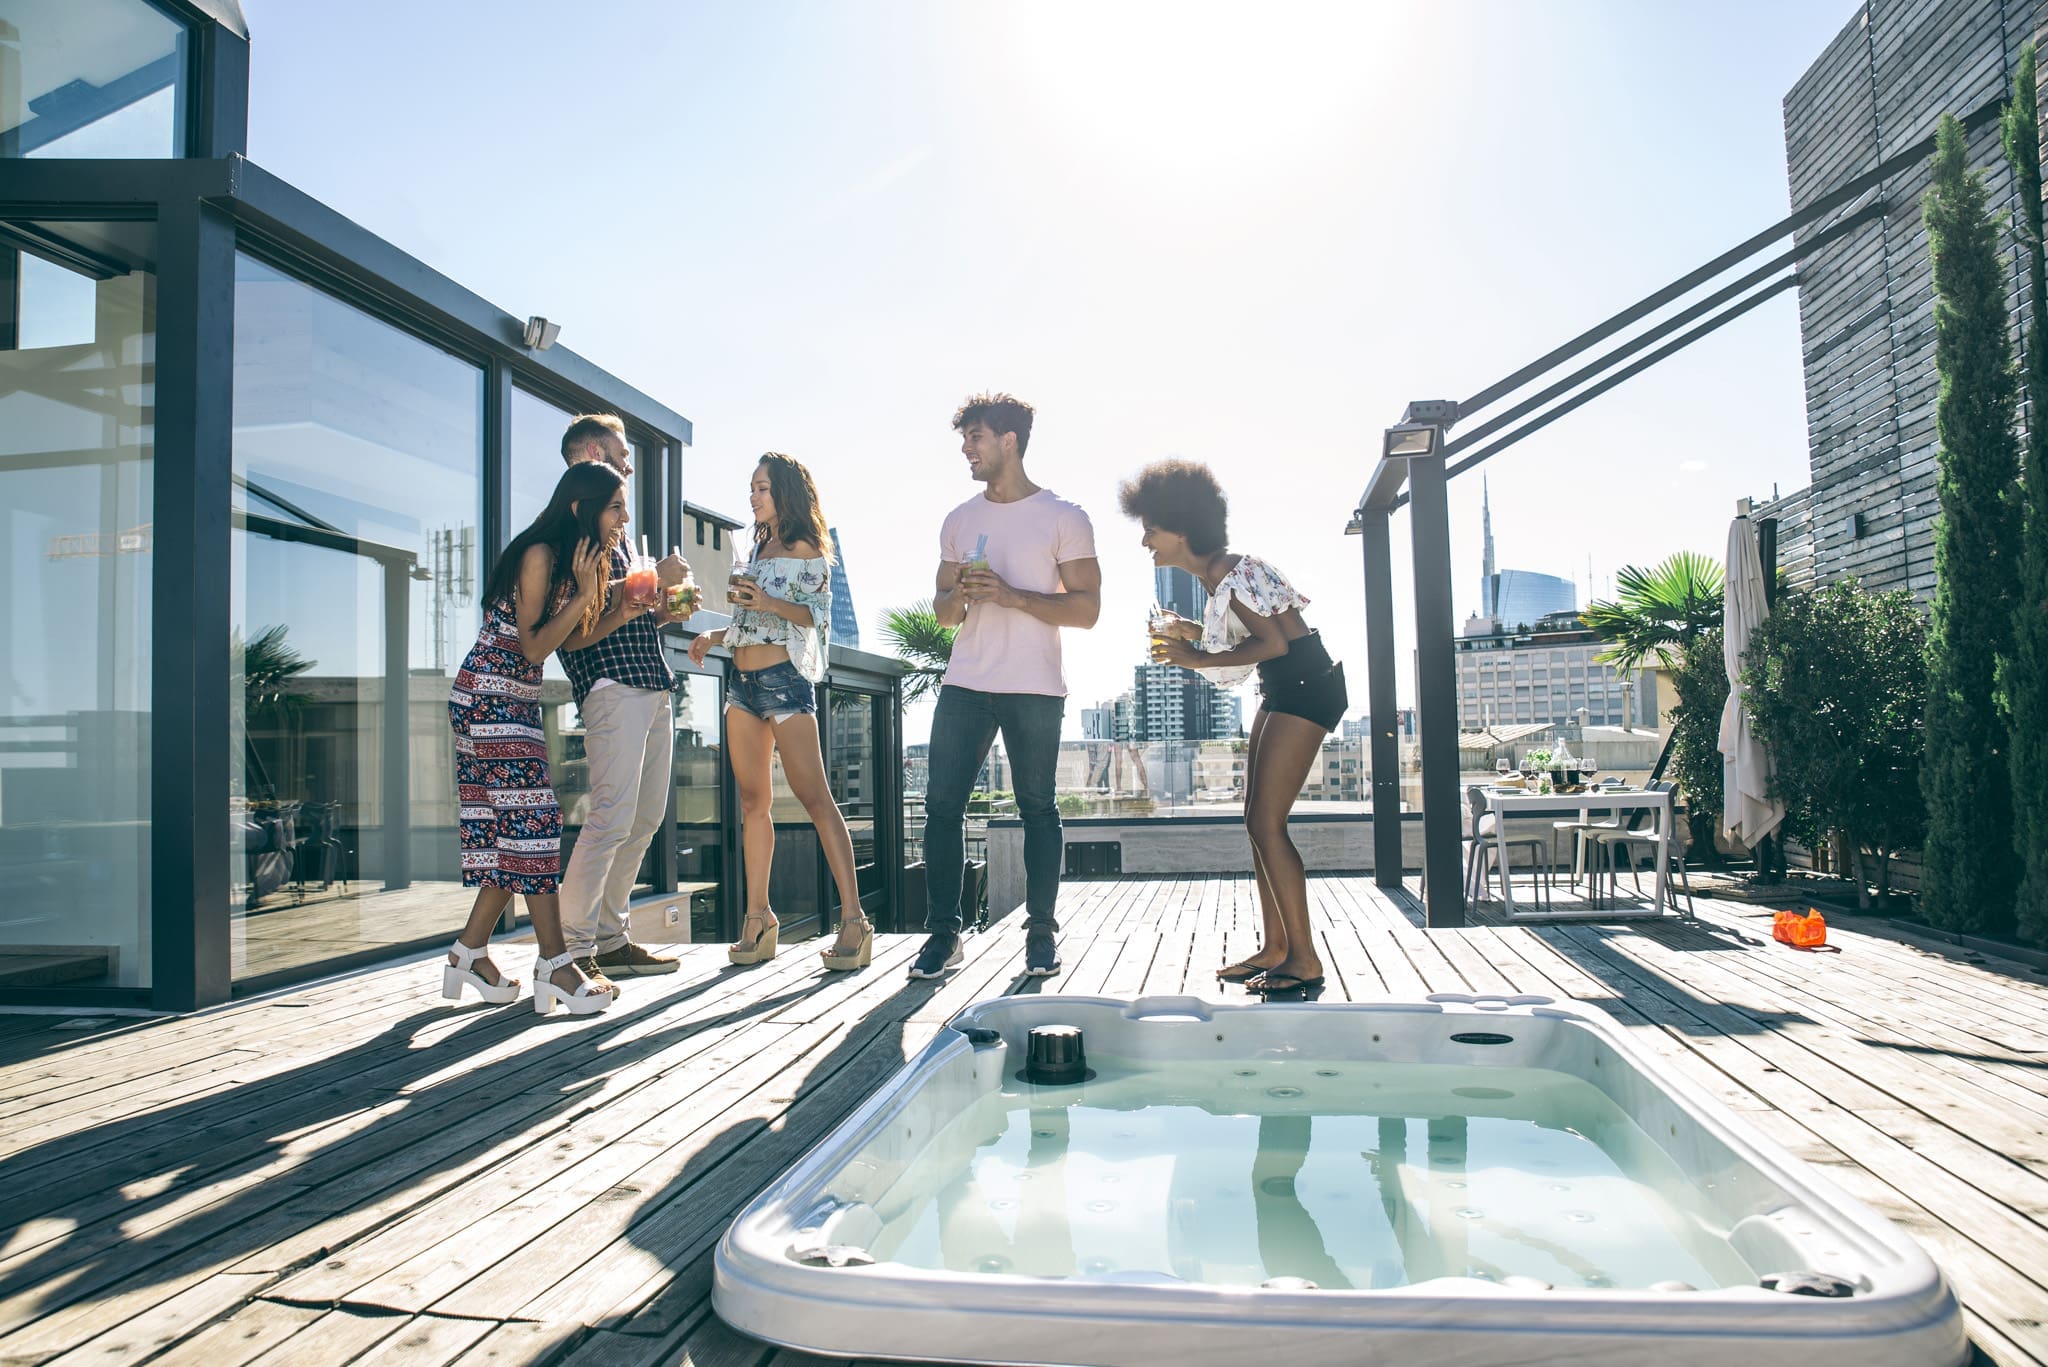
x: 1503, y: 802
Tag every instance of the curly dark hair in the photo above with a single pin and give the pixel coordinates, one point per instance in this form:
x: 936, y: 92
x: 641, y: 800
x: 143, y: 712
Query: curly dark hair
x: 1000, y: 412
x: 1180, y: 496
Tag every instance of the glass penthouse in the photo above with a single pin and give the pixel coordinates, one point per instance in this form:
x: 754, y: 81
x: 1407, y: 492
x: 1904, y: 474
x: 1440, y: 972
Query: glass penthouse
x: 254, y: 465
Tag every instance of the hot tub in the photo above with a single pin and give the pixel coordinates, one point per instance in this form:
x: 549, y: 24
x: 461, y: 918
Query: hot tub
x: 1457, y: 1180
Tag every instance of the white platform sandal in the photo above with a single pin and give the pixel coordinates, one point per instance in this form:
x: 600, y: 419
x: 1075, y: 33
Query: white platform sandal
x: 587, y: 1000
x: 460, y: 974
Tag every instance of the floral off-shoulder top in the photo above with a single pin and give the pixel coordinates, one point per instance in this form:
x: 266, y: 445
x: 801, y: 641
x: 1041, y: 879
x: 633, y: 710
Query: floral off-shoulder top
x: 793, y: 579
x: 1260, y: 588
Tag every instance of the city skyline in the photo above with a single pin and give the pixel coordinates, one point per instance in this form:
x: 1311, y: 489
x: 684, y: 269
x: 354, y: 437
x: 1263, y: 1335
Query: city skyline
x: 1225, y: 290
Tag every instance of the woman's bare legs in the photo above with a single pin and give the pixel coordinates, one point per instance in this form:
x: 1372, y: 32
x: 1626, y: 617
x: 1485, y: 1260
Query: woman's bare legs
x: 543, y: 909
x: 803, y: 764
x: 1287, y: 750
x: 1272, y: 947
x: 750, y: 742
x: 490, y: 904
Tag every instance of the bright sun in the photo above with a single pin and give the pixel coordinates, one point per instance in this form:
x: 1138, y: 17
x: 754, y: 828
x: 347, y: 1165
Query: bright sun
x: 1196, y: 86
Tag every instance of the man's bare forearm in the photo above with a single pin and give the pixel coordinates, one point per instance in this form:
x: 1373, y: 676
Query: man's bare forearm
x: 949, y: 607
x: 1074, y: 608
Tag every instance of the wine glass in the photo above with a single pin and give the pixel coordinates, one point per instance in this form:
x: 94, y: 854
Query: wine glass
x: 1502, y: 766
x: 1589, y: 768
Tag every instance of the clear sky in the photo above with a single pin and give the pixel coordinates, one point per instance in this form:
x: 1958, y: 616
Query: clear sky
x: 1240, y: 234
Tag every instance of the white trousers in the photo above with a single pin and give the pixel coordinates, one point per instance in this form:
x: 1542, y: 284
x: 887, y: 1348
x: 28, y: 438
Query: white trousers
x: 629, y: 743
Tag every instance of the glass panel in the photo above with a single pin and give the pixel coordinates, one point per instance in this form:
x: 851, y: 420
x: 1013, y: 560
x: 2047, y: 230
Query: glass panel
x: 700, y: 803
x: 90, y: 78
x: 76, y: 503
x: 59, y: 307
x: 852, y: 769
x: 358, y: 458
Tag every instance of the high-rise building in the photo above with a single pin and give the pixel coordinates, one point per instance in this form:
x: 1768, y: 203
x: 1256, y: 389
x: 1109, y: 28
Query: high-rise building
x: 1486, y: 565
x: 1513, y: 599
x: 1522, y: 598
x: 1172, y: 703
x: 845, y: 620
x: 1099, y: 722
x: 1547, y: 675
x: 1865, y: 338
x: 1176, y: 590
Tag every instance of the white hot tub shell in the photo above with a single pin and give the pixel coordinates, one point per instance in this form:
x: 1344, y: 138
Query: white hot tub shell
x: 812, y: 1262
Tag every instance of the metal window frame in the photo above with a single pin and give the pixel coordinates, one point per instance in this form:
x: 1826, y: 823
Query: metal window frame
x: 206, y: 210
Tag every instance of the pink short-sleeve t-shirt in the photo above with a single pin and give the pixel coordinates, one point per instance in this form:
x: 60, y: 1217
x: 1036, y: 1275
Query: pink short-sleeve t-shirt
x: 1007, y: 650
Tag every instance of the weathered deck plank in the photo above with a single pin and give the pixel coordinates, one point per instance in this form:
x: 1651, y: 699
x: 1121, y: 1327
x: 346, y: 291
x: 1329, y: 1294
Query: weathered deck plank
x: 356, y: 1171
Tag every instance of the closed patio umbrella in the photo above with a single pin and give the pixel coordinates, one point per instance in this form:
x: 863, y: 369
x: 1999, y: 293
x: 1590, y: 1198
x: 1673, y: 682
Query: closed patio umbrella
x: 1748, y: 813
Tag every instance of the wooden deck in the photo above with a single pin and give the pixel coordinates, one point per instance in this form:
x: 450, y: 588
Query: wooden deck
x: 357, y: 1172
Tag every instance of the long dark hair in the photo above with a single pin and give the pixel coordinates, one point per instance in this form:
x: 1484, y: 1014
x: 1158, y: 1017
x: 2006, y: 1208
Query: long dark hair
x: 798, y: 517
x: 572, y: 514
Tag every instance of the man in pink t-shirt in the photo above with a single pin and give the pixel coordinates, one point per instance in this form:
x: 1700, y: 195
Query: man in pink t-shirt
x: 1016, y: 564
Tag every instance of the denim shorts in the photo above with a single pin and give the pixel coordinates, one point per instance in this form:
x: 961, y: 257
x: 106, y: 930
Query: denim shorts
x: 1305, y: 683
x: 774, y: 694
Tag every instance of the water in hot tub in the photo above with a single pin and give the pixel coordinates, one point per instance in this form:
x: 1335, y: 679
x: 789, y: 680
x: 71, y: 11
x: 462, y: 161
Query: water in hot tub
x: 1349, y: 1175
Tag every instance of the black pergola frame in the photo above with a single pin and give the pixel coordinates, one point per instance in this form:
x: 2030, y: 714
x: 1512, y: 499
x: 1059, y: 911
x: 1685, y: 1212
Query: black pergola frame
x: 1418, y: 481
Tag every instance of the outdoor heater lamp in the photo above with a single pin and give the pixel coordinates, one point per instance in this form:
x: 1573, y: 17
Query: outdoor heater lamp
x: 1411, y: 439
x: 1421, y: 428
x: 540, y: 334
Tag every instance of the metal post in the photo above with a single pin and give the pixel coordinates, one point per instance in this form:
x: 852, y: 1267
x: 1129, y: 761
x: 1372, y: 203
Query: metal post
x: 1436, y: 684
x: 189, y: 610
x: 1767, y: 552
x: 1384, y: 746
x: 396, y: 790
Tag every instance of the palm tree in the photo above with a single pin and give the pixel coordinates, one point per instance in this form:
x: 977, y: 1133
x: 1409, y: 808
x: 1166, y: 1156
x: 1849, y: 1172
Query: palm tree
x: 270, y: 668
x: 919, y: 641
x: 1657, y: 609
x: 1673, y: 611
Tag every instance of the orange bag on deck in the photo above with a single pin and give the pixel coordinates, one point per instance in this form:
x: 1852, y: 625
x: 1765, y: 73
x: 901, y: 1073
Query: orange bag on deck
x: 1810, y: 931
x: 1801, y: 932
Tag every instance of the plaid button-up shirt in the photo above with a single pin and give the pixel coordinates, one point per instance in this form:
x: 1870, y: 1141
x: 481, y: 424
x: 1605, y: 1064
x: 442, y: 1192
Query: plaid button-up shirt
x: 632, y: 655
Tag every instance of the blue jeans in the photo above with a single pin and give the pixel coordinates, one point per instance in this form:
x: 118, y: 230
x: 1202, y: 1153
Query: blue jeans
x: 963, y: 727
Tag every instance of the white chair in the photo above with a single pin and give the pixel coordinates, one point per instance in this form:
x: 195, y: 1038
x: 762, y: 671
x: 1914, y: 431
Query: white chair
x: 1611, y: 846
x: 1482, y: 859
x: 1581, y: 829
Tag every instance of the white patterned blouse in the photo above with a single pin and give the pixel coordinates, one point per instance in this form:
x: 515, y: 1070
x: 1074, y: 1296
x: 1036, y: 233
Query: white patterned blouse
x: 793, y: 579
x: 1260, y: 588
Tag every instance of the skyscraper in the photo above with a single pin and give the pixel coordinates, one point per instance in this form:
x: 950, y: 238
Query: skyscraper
x: 845, y: 620
x: 1486, y: 570
x: 1512, y: 598
x: 1178, y: 591
x: 1179, y: 704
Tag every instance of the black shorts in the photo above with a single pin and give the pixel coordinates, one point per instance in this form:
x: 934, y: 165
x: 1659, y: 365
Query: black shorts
x: 1305, y: 682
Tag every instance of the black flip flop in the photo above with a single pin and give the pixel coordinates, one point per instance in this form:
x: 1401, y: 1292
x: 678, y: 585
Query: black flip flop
x: 1239, y: 971
x: 1282, y: 982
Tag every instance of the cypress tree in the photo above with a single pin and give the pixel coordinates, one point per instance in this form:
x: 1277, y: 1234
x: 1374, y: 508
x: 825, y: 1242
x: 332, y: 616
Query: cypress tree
x: 1970, y: 873
x: 2027, y: 680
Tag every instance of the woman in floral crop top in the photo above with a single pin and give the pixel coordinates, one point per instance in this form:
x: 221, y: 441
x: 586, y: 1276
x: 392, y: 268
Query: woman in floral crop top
x: 781, y: 621
x: 1253, y: 621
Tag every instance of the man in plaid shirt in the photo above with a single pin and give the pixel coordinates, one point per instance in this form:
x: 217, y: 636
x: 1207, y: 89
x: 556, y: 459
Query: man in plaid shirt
x: 624, y: 689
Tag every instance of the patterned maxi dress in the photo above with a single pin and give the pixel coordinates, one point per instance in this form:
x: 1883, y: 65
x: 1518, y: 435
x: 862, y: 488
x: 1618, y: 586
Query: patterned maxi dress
x: 511, y: 823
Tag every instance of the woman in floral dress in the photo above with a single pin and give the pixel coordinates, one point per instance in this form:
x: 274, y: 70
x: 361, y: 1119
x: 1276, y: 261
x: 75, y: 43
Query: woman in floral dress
x: 550, y: 579
x: 781, y: 622
x: 1253, y: 620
